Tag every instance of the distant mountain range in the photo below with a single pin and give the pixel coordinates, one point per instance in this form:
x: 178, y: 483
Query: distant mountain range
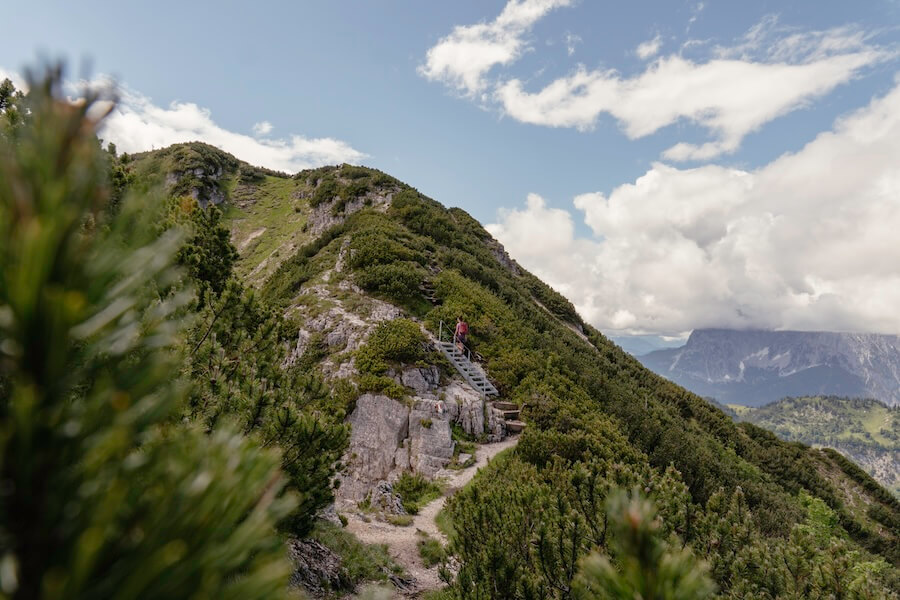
x: 753, y: 368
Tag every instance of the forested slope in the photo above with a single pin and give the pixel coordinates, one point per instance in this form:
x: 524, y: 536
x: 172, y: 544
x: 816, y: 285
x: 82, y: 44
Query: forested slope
x: 748, y: 503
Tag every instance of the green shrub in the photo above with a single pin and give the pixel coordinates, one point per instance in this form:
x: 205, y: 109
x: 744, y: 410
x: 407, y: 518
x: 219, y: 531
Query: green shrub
x: 361, y: 562
x: 326, y: 191
x: 379, y: 384
x: 431, y: 551
x: 400, y: 520
x: 415, y: 491
x: 397, y: 281
x: 392, y: 342
x: 105, y: 492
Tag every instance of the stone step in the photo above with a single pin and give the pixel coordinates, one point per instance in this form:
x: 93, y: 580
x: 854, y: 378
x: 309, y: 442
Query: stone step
x: 515, y: 426
x: 512, y: 415
x: 506, y: 405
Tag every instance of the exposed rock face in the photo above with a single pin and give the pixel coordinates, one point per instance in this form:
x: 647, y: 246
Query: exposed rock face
x: 316, y: 568
x: 422, y: 380
x: 379, y: 425
x: 757, y: 367
x: 323, y: 216
x: 431, y: 445
x: 207, y: 191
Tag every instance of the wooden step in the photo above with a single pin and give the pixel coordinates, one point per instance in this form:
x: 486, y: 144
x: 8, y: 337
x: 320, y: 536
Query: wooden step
x: 515, y: 426
x: 506, y: 405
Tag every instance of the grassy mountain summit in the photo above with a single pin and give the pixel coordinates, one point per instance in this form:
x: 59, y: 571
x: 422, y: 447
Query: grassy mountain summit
x: 351, y: 241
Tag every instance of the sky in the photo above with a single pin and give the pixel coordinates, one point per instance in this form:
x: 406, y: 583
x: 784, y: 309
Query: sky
x: 666, y: 165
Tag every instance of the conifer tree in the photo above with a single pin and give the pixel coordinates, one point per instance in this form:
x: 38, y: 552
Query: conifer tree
x: 644, y: 565
x: 102, y: 495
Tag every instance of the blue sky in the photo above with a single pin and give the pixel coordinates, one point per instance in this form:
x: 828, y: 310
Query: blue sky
x: 551, y: 121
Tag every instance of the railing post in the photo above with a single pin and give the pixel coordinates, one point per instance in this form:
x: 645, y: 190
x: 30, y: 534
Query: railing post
x: 441, y: 332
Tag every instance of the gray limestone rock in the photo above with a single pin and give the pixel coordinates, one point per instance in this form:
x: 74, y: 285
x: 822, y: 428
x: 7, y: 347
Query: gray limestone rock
x: 379, y: 425
x: 383, y: 498
x: 431, y: 445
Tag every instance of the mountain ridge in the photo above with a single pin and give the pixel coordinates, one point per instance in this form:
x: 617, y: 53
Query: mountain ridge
x: 754, y: 367
x: 349, y: 251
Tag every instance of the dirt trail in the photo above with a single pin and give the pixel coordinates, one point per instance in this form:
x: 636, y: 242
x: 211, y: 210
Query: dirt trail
x: 401, y: 541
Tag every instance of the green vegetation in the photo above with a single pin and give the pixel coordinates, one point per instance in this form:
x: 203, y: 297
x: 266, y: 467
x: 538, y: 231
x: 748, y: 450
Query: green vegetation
x: 391, y: 343
x: 106, y: 445
x: 863, y: 429
x: 415, y: 491
x: 400, y: 520
x: 647, y: 566
x: 597, y: 421
x: 266, y: 216
x: 430, y: 550
x: 106, y: 493
x: 361, y: 562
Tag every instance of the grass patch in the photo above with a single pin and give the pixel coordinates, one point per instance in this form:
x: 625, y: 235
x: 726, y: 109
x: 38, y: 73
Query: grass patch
x: 362, y: 562
x: 431, y: 551
x: 400, y: 520
x: 445, y: 523
x: 441, y: 594
x: 415, y: 491
x: 269, y: 206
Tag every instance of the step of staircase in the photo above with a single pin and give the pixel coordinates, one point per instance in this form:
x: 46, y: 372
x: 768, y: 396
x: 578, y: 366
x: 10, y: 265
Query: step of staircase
x: 505, y: 405
x: 511, y: 415
x: 515, y: 426
x: 470, y: 371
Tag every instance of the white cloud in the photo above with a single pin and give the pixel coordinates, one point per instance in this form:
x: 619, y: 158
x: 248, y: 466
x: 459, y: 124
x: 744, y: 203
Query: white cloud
x: 137, y: 124
x: 808, y: 241
x: 572, y: 40
x: 262, y: 128
x: 17, y: 80
x: 649, y: 48
x: 462, y: 59
x: 730, y: 97
x: 767, y: 73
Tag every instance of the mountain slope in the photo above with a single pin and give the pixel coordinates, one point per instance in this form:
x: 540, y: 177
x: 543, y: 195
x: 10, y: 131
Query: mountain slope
x: 756, y: 367
x: 379, y: 256
x: 866, y: 431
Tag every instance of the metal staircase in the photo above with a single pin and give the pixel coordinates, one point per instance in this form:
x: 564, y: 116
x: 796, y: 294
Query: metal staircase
x: 461, y: 358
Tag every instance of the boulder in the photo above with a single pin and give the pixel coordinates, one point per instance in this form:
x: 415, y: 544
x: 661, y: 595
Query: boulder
x: 422, y: 380
x: 383, y: 498
x: 466, y: 407
x: 379, y: 425
x: 317, y: 568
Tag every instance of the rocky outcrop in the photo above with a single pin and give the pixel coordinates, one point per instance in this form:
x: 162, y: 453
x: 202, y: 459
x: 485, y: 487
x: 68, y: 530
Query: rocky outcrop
x: 205, y: 189
x: 431, y: 445
x: 383, y: 498
x: 468, y: 408
x: 422, y: 380
x: 379, y: 425
x: 317, y: 569
x: 324, y: 216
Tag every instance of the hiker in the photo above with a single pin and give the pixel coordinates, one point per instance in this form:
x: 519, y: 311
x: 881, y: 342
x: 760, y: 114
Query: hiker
x: 462, y: 330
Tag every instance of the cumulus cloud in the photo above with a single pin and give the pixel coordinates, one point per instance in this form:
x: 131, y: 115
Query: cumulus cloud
x: 808, y: 241
x: 462, y: 59
x: 649, y: 48
x: 137, y: 124
x: 731, y: 95
x: 736, y: 89
x: 262, y: 128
